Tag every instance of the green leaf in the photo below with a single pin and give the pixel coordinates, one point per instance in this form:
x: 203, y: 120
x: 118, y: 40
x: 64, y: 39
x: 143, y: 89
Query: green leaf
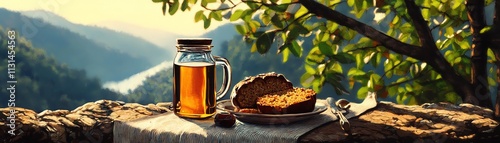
x: 395, y: 20
x: 306, y: 80
x: 425, y: 14
x: 254, y: 48
x: 351, y: 2
x: 349, y: 47
x: 164, y: 8
x: 157, y: 1
x: 393, y: 90
x: 296, y: 49
x: 376, y: 61
x: 309, y: 69
x: 264, y: 41
x: 236, y: 15
x: 491, y: 81
x: 173, y: 7
x: 241, y: 29
x: 362, y: 92
x: 485, y: 29
x: 300, y: 28
x: 355, y: 72
x: 278, y: 8
x: 276, y: 21
x: 457, y: 3
x: 204, y: 3
x: 192, y: 1
x: 375, y: 80
x: 286, y: 54
x: 198, y: 16
x: 252, y: 4
x: 412, y: 101
x: 317, y: 84
x: 332, y: 26
x: 403, y: 68
x: 490, y: 54
x: 347, y: 34
x: 292, y: 35
x: 406, y: 28
x: 315, y: 56
x: 449, y: 31
x: 326, y: 49
x: 266, y: 19
x: 401, y: 98
x: 335, y: 67
x: 359, y: 60
x: 335, y: 80
x: 302, y: 10
x: 254, y: 25
x: 184, y: 5
x: 344, y: 58
x: 216, y: 15
x: 206, y: 22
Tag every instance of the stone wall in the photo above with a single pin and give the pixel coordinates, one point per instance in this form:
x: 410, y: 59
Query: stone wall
x: 89, y: 123
x: 388, y: 122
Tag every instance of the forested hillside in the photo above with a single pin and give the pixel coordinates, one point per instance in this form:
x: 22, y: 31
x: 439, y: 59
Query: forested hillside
x: 121, y: 41
x: 42, y: 82
x: 75, y: 50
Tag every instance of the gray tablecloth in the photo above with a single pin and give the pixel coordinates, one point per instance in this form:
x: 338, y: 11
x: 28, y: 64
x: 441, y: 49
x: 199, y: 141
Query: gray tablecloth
x: 170, y: 128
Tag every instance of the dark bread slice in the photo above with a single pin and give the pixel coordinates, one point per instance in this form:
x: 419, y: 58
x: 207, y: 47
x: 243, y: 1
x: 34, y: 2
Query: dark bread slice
x: 246, y: 92
x: 296, y: 100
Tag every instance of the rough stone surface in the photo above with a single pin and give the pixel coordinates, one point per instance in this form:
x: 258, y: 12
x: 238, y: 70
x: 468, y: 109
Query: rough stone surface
x: 437, y: 122
x: 388, y: 122
x: 92, y: 122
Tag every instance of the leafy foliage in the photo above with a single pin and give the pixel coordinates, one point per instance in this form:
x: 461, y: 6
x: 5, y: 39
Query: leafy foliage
x: 336, y: 48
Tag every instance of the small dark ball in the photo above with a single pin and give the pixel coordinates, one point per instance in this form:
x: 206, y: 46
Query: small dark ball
x: 224, y: 119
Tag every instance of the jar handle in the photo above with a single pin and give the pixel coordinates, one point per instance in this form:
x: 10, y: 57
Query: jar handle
x: 226, y: 78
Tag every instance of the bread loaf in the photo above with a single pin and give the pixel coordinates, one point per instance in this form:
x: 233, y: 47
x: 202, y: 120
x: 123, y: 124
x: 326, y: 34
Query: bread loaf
x: 275, y: 93
x: 296, y: 100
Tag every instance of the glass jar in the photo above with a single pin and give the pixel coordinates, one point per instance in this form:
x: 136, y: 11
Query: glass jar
x: 195, y: 78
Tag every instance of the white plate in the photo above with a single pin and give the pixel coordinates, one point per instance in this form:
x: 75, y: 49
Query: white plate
x: 255, y: 118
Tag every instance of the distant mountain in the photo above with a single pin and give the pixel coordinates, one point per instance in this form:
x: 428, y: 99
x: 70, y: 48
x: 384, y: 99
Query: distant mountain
x: 123, y: 42
x: 220, y: 35
x: 77, y: 51
x: 158, y: 37
x: 42, y: 82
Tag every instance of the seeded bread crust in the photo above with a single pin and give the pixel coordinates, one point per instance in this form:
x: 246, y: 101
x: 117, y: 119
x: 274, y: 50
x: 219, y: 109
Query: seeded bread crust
x: 296, y: 100
x: 246, y: 92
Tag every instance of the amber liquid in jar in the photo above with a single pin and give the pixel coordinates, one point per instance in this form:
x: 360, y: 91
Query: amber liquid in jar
x: 194, y: 90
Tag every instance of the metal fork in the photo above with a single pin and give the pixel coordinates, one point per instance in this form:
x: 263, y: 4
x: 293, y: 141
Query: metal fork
x: 344, y: 123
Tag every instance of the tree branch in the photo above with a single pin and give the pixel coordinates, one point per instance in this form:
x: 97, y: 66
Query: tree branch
x: 496, y: 50
x: 406, y: 81
x: 479, y: 47
x: 362, y: 48
x: 428, y: 53
x: 392, y: 68
x: 434, y: 57
x: 297, y: 19
x: 423, y: 31
x: 368, y: 31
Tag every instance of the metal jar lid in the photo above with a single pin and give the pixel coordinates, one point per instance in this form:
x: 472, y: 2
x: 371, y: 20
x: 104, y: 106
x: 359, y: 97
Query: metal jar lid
x: 194, y: 41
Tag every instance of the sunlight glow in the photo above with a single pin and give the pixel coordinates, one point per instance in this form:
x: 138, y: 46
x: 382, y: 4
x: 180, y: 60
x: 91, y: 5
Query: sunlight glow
x: 112, y: 13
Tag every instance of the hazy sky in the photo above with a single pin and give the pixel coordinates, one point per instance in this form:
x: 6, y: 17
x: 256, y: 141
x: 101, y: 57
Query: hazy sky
x: 108, y: 13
